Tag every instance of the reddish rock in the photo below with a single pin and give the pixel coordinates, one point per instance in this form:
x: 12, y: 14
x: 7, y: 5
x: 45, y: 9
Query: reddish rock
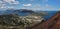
x: 52, y: 23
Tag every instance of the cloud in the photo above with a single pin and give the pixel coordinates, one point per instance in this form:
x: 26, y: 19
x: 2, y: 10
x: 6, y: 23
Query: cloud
x: 3, y: 3
x: 11, y: 1
x: 3, y: 7
x: 27, y: 5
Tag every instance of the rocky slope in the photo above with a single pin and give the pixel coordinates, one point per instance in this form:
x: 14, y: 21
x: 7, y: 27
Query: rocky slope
x: 10, y: 19
x: 16, y: 21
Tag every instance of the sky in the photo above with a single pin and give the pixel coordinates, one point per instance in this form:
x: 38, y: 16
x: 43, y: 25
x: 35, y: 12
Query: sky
x: 46, y: 5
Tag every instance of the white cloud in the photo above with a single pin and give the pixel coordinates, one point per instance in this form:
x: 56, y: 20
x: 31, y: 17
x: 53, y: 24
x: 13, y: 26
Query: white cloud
x: 3, y: 3
x: 11, y: 1
x: 2, y: 7
x: 27, y: 5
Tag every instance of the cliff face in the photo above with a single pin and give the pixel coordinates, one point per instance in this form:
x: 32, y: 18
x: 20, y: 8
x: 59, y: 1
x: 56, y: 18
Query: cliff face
x: 52, y: 23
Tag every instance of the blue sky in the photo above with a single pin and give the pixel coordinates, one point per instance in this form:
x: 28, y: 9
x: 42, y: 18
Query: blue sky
x: 30, y: 4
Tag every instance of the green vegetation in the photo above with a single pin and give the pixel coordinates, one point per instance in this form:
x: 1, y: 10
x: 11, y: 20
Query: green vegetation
x: 9, y: 21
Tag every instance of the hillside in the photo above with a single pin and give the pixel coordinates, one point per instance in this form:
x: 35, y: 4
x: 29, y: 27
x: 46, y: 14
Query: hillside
x: 16, y: 21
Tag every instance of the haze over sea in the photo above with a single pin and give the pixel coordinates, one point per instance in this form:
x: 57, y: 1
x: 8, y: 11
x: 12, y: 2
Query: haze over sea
x: 50, y: 13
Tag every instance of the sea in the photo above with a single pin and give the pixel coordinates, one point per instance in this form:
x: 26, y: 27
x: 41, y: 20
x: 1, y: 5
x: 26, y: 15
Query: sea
x: 50, y: 14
